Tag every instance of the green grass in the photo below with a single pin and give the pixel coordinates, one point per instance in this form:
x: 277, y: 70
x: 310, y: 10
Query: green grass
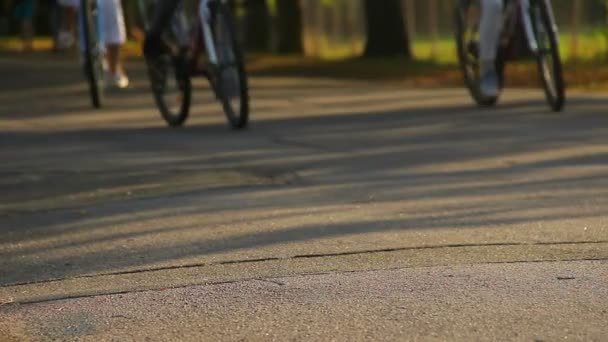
x: 588, y: 71
x: 592, y: 45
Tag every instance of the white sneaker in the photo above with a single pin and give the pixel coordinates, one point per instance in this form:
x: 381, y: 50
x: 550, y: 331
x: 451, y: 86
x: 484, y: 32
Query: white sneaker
x: 65, y: 40
x: 489, y: 85
x: 118, y: 80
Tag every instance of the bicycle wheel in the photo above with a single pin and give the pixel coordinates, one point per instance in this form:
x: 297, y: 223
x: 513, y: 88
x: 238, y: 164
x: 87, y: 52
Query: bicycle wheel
x: 169, y: 78
x: 229, y: 75
x: 548, y: 57
x: 92, y: 50
x: 467, y: 41
x: 171, y: 87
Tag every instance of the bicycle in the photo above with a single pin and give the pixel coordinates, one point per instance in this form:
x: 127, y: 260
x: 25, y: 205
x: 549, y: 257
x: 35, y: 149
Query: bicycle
x: 170, y: 75
x: 530, y: 20
x: 92, y: 49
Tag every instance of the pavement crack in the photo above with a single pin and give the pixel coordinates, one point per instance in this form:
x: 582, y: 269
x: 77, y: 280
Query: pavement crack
x: 464, y: 245
x: 310, y: 256
x: 248, y: 279
x: 271, y: 281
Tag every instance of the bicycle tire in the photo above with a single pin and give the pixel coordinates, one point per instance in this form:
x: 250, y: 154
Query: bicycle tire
x: 551, y: 74
x: 92, y: 52
x: 223, y: 23
x: 158, y: 71
x: 468, y: 58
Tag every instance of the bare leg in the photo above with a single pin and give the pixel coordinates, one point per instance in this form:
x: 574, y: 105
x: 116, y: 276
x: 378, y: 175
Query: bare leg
x: 111, y: 13
x: 68, y: 22
x: 115, y: 75
x: 27, y: 34
x: 113, y: 58
x: 67, y: 27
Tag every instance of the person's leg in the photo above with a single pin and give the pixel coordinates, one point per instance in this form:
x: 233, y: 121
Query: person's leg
x: 161, y: 20
x: 67, y: 23
x: 490, y: 28
x: 27, y: 34
x: 114, y: 37
x: 54, y: 17
x: 25, y: 12
x: 69, y: 20
x: 113, y: 58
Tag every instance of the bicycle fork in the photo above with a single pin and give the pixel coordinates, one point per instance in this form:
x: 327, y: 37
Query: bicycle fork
x: 205, y: 18
x: 100, y: 43
x: 529, y: 27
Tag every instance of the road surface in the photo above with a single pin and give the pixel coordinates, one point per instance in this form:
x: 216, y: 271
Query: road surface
x: 348, y: 211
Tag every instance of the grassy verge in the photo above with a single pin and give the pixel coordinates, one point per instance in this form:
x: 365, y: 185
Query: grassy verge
x: 585, y: 75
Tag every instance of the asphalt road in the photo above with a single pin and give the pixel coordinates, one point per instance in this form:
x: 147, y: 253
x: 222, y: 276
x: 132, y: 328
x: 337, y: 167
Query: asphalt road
x: 348, y: 211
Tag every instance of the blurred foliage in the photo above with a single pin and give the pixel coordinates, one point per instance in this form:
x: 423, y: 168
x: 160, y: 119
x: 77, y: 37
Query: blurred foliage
x: 336, y: 28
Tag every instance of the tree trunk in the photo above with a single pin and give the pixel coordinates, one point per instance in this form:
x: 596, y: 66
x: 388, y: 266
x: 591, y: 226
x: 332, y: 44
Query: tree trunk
x: 354, y: 27
x: 290, y: 26
x: 575, y: 27
x: 386, y: 31
x: 433, y: 26
x: 409, y: 15
x: 258, y: 26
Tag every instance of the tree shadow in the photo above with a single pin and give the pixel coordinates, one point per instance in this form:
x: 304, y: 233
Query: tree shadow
x: 319, y: 171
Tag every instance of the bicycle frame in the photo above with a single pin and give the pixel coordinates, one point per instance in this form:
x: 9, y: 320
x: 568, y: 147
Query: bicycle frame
x: 524, y: 6
x: 205, y: 18
x: 179, y: 26
x: 100, y: 29
x: 179, y: 23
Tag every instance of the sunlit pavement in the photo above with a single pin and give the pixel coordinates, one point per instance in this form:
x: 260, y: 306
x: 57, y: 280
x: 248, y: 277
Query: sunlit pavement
x: 349, y: 210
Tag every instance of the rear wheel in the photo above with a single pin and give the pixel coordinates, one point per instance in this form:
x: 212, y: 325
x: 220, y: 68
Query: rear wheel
x: 229, y: 75
x: 92, y: 50
x: 467, y: 40
x: 549, y: 59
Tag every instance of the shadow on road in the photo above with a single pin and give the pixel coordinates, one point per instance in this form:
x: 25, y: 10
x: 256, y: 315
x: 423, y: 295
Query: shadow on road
x: 323, y: 164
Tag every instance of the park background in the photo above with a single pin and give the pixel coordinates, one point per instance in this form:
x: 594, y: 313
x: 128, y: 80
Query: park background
x: 401, y: 40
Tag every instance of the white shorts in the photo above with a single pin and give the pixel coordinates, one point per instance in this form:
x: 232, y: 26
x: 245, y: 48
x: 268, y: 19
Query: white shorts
x: 113, y: 22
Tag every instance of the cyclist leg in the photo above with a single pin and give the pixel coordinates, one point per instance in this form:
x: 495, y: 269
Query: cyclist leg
x: 490, y: 27
x: 205, y: 10
x: 162, y: 19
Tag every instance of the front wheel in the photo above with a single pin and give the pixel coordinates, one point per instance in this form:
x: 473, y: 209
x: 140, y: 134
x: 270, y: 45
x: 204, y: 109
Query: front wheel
x: 171, y: 87
x: 229, y: 74
x: 92, y: 50
x: 549, y: 59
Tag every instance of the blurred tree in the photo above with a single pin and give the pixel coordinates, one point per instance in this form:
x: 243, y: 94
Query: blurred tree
x: 575, y: 27
x: 409, y: 15
x: 433, y: 22
x: 257, y: 25
x: 289, y: 22
x: 386, y: 30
